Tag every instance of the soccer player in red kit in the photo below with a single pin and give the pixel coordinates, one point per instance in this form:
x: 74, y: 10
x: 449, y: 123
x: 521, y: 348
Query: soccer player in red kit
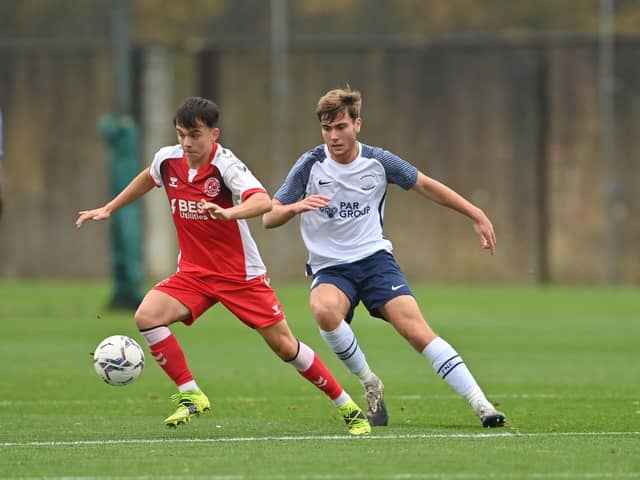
x: 211, y: 193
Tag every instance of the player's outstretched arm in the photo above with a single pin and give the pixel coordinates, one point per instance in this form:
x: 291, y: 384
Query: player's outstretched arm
x: 440, y: 193
x: 138, y: 187
x: 281, y: 214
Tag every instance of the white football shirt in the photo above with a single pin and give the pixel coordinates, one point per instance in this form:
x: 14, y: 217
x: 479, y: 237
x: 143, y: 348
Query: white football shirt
x: 350, y: 227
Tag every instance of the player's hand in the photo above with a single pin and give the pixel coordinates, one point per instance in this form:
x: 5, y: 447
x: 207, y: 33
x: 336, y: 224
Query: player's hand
x: 97, y: 214
x: 313, y: 202
x: 484, y: 229
x: 216, y: 211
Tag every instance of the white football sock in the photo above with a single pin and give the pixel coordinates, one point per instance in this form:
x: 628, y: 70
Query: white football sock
x: 303, y: 359
x: 344, y: 344
x: 156, y: 334
x: 190, y: 386
x: 343, y: 398
x: 450, y: 366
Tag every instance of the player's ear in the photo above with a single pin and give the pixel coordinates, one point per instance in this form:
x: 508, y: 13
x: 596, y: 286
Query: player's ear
x: 357, y: 124
x: 215, y: 133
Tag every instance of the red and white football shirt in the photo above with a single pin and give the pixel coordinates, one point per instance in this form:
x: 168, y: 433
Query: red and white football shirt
x: 209, y: 246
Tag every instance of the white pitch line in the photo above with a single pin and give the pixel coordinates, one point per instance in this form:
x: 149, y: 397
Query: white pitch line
x: 425, y: 436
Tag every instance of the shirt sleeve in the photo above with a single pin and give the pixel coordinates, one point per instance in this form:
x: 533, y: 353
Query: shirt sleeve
x: 295, y: 184
x: 398, y: 171
x: 236, y: 175
x: 160, y: 156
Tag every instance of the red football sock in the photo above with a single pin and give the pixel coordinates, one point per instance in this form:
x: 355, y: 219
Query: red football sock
x: 321, y: 377
x: 169, y: 355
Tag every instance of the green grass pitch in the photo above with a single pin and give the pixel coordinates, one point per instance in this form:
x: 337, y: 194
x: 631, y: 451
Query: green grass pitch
x: 562, y: 363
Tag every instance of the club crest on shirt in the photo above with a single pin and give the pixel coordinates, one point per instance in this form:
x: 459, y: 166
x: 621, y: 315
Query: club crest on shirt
x: 173, y: 182
x: 211, y: 187
x: 368, y: 182
x: 328, y: 211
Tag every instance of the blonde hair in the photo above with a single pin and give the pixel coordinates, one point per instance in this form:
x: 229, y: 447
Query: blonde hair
x: 334, y: 102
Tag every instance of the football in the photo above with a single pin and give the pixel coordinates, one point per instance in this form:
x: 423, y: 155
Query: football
x: 118, y: 360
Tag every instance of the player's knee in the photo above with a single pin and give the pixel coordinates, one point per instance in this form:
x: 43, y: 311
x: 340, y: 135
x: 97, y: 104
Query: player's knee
x: 145, y: 319
x: 326, y: 312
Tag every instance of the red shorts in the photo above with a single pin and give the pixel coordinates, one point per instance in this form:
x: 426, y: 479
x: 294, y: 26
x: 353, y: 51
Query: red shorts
x: 253, y: 301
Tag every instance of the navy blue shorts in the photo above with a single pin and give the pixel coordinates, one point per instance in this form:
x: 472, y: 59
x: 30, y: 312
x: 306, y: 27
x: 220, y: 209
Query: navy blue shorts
x: 374, y: 280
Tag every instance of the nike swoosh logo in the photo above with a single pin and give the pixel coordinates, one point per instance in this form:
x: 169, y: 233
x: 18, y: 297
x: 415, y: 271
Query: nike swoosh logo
x: 325, y: 182
x: 396, y: 287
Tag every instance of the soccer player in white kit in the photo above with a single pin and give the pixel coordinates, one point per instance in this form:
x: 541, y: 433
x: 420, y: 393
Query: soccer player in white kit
x: 211, y: 193
x: 339, y: 190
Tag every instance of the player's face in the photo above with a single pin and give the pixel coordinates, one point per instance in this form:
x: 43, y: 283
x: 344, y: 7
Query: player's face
x: 340, y: 136
x: 196, y: 142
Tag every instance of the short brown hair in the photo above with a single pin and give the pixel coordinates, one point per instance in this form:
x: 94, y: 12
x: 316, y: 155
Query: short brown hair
x: 194, y: 109
x: 334, y: 102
